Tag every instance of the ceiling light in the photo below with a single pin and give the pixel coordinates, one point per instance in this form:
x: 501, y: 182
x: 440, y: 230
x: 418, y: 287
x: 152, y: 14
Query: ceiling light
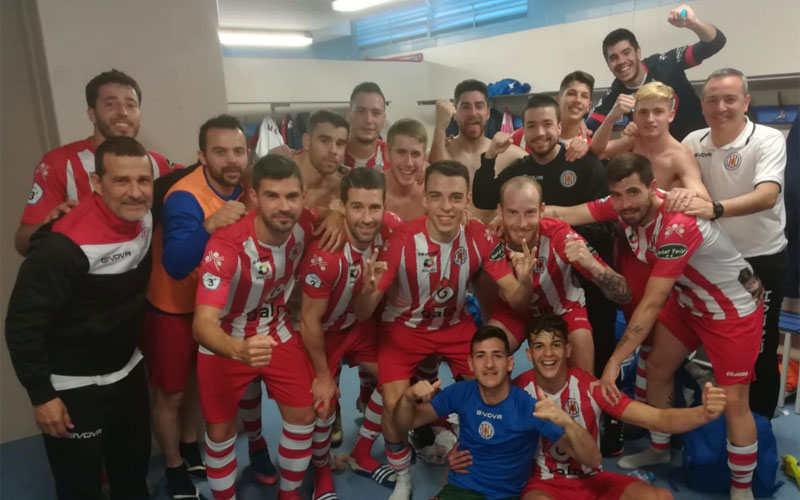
x: 256, y: 38
x: 353, y: 5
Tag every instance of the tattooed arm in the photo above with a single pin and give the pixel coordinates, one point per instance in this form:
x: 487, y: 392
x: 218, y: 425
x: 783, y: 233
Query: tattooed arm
x: 611, y: 283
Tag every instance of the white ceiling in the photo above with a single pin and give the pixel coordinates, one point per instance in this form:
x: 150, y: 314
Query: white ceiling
x: 315, y: 16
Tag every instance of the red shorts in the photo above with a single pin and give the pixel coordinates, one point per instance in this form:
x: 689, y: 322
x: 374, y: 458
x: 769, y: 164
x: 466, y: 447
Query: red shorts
x: 355, y: 345
x: 600, y: 486
x: 170, y: 352
x: 402, y: 349
x: 515, y: 322
x: 222, y: 381
x: 732, y: 344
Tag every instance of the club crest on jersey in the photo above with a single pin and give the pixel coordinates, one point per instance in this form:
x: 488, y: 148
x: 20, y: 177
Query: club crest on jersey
x: 42, y: 170
x: 429, y: 264
x: 568, y: 178
x: 540, y: 265
x: 671, y: 251
x: 443, y: 294
x: 498, y: 253
x: 210, y: 281
x: 572, y: 408
x: 732, y: 161
x: 354, y: 273
x: 263, y: 270
x: 460, y: 256
x: 215, y: 258
x: 674, y: 228
x: 486, y: 430
x: 36, y: 194
x: 313, y: 280
x: 316, y: 260
x: 296, y: 251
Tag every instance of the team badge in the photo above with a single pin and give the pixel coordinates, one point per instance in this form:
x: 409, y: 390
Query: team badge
x: 354, y: 273
x: 313, y: 280
x: 486, y: 430
x: 316, y: 260
x: 568, y: 178
x: 263, y: 270
x: 215, y: 258
x: 674, y: 228
x: 36, y: 194
x: 732, y: 161
x: 296, y: 251
x: 572, y: 408
x: 42, y: 170
x: 428, y: 265
x: 210, y: 281
x: 540, y: 265
x: 460, y: 256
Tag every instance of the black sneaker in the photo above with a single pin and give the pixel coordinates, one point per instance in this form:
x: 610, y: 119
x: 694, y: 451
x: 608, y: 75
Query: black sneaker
x: 612, y: 443
x: 190, y: 452
x: 262, y: 467
x: 336, y: 430
x: 179, y: 484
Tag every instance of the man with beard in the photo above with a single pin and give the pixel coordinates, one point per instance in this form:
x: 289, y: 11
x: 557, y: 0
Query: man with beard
x: 426, y: 267
x: 72, y: 325
x: 407, y: 141
x: 194, y: 208
x: 574, y: 99
x: 63, y: 176
x: 700, y: 291
x: 330, y: 282
x: 241, y: 320
x: 470, y: 108
x: 624, y: 58
x: 367, y: 117
x: 323, y: 152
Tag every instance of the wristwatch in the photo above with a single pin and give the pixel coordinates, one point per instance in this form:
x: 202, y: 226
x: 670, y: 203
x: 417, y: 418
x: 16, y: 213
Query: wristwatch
x: 718, y: 210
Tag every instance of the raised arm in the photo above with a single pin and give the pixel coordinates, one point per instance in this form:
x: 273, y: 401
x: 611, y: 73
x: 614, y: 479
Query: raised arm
x: 602, y: 145
x: 677, y: 420
x: 445, y: 110
x: 414, y: 408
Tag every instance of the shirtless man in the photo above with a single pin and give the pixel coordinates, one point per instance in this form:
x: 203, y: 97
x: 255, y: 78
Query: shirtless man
x: 653, y: 108
x: 470, y: 108
x: 323, y: 152
x: 407, y: 141
x: 367, y: 118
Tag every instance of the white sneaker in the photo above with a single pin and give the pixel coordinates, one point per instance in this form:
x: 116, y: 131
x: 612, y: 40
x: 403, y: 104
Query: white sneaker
x: 402, y: 489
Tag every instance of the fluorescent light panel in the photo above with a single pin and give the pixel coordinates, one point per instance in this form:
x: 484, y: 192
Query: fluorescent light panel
x: 354, y: 5
x: 256, y: 38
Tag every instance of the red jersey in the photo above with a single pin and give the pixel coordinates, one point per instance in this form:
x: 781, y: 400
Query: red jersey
x: 337, y: 275
x: 379, y: 159
x: 585, y: 406
x: 554, y: 287
x: 63, y: 174
x: 710, y: 273
x: 251, y: 281
x: 432, y: 277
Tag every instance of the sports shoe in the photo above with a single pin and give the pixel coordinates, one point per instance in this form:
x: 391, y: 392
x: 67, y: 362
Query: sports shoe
x: 612, y: 442
x: 179, y: 484
x: 262, y: 467
x: 402, y: 489
x: 191, y: 457
x: 383, y: 474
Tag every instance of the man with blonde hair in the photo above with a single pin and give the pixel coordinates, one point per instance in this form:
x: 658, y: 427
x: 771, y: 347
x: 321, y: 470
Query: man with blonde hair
x: 407, y: 141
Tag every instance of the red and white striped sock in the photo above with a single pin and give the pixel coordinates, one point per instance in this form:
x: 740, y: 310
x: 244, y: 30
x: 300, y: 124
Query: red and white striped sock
x: 368, y: 433
x: 368, y: 383
x: 250, y: 410
x: 659, y: 441
x: 640, y: 391
x: 399, y: 455
x: 742, y: 462
x: 294, y: 454
x: 321, y: 452
x: 221, y: 468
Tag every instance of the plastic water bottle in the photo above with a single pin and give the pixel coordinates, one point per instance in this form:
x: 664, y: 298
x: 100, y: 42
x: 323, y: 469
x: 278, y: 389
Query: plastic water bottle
x: 644, y: 475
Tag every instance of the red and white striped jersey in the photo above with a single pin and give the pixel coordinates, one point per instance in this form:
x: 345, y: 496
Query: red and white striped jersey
x: 337, y: 275
x: 585, y: 406
x: 251, y: 281
x: 711, y: 275
x: 64, y: 174
x: 555, y: 289
x: 431, y: 278
x: 379, y: 160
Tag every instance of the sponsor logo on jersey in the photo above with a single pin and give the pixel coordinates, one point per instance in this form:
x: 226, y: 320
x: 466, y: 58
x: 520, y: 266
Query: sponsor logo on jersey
x: 488, y: 414
x: 671, y: 251
x: 85, y: 434
x: 443, y: 294
x: 354, y: 273
x: 115, y: 257
x: 732, y: 161
x: 486, y: 430
x: 572, y: 408
x: 263, y: 270
x: 210, y: 281
x: 497, y: 253
x: 568, y: 178
x: 429, y: 265
x: 702, y: 155
x: 460, y: 256
x: 296, y: 251
x: 36, y: 194
x: 313, y: 280
x: 540, y: 265
x: 214, y: 257
x: 737, y: 374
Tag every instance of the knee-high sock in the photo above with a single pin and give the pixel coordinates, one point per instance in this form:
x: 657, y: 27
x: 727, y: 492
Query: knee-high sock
x: 294, y: 455
x: 250, y: 410
x: 321, y: 453
x: 742, y: 463
x: 369, y: 432
x: 221, y: 468
x: 640, y: 391
x: 368, y: 383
